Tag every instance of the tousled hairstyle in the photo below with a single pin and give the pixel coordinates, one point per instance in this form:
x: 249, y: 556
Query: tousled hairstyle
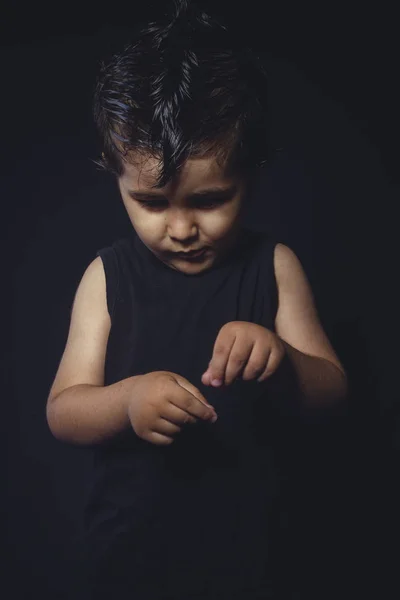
x: 183, y: 88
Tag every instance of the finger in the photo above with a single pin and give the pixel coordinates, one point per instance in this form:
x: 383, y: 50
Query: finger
x: 206, y: 378
x: 159, y: 439
x: 274, y: 361
x: 192, y: 403
x: 176, y: 415
x: 238, y: 359
x: 189, y: 387
x: 222, y: 349
x: 257, y: 362
x: 165, y: 427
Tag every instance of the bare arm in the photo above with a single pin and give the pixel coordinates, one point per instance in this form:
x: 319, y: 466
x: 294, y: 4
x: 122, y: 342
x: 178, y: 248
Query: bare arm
x: 80, y: 409
x: 321, y: 382
x: 321, y: 377
x: 90, y: 414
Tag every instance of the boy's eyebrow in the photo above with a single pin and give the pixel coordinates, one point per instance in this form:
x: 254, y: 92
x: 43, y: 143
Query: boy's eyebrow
x: 215, y: 191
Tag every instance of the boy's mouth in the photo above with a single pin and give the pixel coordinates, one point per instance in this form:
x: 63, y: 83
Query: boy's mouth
x: 191, y: 255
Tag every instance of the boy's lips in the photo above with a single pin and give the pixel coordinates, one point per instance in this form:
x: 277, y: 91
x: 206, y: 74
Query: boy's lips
x: 191, y: 254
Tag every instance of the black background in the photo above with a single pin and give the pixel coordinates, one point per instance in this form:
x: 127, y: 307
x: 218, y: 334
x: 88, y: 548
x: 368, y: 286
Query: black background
x: 331, y: 195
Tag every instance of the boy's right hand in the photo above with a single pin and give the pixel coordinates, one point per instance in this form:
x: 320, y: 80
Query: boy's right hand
x: 162, y: 402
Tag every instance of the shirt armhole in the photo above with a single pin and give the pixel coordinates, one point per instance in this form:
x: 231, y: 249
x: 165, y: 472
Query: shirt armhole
x: 271, y: 283
x: 110, y: 263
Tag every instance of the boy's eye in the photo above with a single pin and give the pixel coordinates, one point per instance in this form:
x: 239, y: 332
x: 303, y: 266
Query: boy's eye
x: 160, y: 204
x: 151, y: 205
x: 211, y: 202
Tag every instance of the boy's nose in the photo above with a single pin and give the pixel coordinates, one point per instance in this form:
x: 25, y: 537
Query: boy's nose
x: 182, y: 228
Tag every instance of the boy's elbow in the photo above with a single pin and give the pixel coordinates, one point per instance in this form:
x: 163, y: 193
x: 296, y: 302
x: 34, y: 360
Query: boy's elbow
x: 61, y: 427
x: 53, y: 420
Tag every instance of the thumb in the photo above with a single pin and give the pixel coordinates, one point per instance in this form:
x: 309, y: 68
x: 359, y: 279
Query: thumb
x: 206, y: 378
x: 185, y: 384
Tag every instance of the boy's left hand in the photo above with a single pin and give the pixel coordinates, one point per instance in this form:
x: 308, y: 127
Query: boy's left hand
x: 243, y: 347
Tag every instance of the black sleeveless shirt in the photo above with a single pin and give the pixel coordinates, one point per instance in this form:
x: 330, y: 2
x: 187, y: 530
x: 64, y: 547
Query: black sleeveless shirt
x: 192, y: 519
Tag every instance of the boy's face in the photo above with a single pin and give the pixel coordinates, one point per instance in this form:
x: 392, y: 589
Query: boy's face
x: 173, y: 219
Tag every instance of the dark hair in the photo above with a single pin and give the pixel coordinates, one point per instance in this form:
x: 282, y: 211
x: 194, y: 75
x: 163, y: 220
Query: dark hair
x: 183, y: 88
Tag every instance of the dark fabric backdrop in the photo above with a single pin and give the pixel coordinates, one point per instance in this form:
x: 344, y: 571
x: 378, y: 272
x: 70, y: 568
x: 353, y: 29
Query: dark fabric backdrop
x: 330, y: 195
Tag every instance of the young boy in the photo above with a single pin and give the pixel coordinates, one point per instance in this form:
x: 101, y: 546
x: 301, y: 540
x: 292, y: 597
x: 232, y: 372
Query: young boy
x: 179, y: 331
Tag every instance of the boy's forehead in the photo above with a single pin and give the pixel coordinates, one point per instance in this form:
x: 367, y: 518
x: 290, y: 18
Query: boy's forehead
x: 143, y: 172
